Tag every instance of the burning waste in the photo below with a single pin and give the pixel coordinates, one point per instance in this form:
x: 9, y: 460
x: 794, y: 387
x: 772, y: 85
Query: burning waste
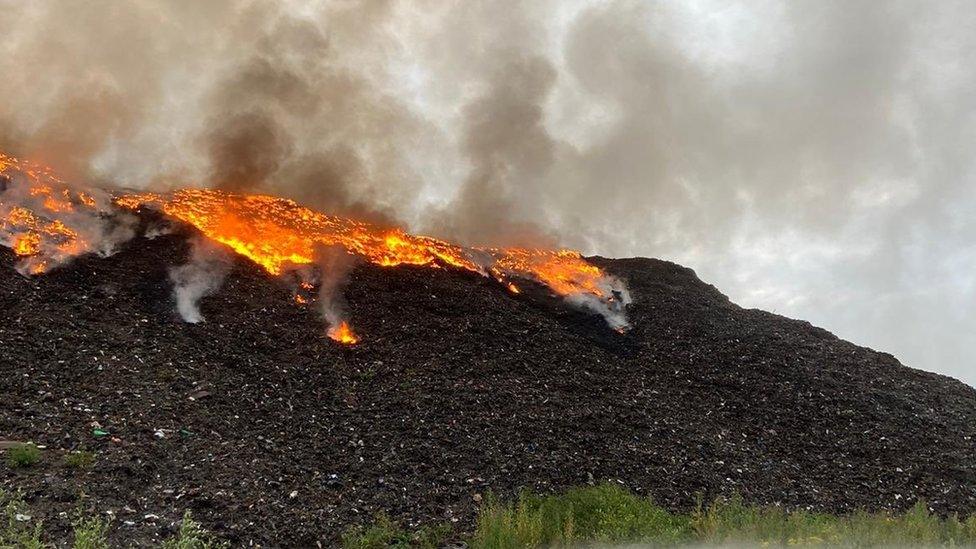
x: 46, y: 222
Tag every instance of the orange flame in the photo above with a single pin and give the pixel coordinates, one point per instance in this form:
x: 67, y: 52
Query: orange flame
x: 275, y: 233
x: 37, y: 217
x: 343, y: 334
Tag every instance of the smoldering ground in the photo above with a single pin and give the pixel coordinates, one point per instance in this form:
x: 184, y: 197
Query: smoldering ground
x: 810, y: 157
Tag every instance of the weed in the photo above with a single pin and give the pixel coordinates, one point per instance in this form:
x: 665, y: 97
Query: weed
x: 605, y: 514
x: 384, y: 533
x: 17, y: 528
x: 193, y: 536
x: 79, y: 460
x: 23, y: 455
x: 90, y: 532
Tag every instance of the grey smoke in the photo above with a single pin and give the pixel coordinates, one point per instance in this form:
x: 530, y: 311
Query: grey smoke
x: 812, y: 157
x: 200, y: 276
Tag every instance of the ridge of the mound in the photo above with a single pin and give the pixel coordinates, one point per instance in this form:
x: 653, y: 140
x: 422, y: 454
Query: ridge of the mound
x: 270, y: 432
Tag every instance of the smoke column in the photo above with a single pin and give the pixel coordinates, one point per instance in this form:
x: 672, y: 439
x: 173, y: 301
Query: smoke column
x: 335, y: 264
x: 810, y: 157
x: 201, y: 276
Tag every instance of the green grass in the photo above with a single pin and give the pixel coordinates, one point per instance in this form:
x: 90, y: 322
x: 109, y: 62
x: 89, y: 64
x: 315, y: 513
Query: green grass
x: 598, y: 516
x: 384, y: 533
x: 732, y: 521
x: 23, y: 455
x: 603, y: 514
x: 608, y: 514
x: 79, y: 460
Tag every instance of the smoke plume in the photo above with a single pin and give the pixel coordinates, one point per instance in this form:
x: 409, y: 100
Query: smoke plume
x: 809, y: 157
x: 335, y: 264
x: 201, y: 276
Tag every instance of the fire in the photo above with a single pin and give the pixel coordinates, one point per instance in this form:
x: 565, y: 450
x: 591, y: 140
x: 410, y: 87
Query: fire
x: 343, y: 334
x: 278, y: 234
x: 41, y: 217
x: 27, y: 244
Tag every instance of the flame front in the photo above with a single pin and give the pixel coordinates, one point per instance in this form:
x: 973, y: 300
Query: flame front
x: 276, y: 232
x: 343, y: 334
x: 42, y: 224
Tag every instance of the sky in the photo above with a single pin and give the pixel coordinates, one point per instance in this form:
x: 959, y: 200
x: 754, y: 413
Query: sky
x: 813, y: 158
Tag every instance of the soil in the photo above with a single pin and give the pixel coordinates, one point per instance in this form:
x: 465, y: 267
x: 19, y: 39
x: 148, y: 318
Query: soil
x: 272, y: 434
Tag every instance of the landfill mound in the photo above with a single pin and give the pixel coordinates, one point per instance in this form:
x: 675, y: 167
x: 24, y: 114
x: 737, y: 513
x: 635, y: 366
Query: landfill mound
x: 271, y: 433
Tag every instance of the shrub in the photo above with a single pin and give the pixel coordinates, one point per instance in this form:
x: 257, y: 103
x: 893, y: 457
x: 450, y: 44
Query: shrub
x: 90, y: 533
x: 193, y: 536
x: 15, y: 529
x: 606, y: 514
x: 23, y: 455
x: 79, y: 460
x: 384, y: 533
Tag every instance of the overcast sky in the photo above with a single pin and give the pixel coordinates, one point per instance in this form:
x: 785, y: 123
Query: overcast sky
x: 812, y: 158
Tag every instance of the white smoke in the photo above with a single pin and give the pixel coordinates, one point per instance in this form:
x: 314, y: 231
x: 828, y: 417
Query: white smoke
x: 201, y: 276
x: 612, y: 305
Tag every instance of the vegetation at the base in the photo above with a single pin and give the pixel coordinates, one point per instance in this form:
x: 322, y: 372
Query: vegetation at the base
x: 193, y: 536
x: 604, y: 515
x: 79, y: 460
x: 23, y: 455
x: 16, y: 527
x: 384, y: 533
x: 608, y: 515
x: 734, y: 522
x: 90, y: 532
x: 19, y: 529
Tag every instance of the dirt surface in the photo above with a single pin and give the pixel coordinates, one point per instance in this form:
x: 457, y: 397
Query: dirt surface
x: 274, y: 435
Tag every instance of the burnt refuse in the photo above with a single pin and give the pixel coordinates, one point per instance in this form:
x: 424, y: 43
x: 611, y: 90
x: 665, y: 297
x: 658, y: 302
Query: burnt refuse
x: 271, y: 433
